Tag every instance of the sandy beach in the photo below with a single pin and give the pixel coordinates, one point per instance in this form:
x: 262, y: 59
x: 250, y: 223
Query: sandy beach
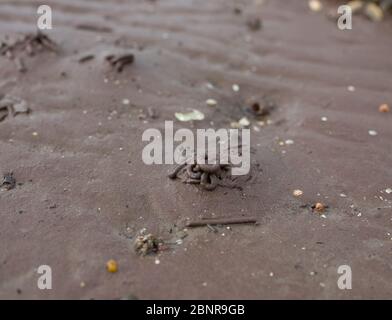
x: 82, y: 193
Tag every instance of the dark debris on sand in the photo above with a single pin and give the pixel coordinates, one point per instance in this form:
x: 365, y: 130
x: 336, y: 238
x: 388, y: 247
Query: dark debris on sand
x: 8, y: 182
x: 147, y: 244
x: 119, y: 61
x: 208, y: 176
x: 10, y: 105
x: 29, y: 44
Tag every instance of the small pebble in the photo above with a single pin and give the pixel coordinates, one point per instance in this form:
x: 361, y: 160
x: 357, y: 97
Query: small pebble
x: 297, y: 193
x: 319, y: 207
x: 374, y: 12
x: 126, y: 101
x: 289, y: 142
x: 389, y: 190
x: 384, y: 108
x: 373, y: 133
x: 211, y: 102
x: 351, y: 88
x: 236, y: 87
x: 244, y: 122
x: 324, y: 119
x: 111, y: 266
x: 315, y: 5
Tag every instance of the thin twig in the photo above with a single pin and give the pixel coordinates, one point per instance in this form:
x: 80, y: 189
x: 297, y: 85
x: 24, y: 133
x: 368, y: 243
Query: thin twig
x: 222, y: 221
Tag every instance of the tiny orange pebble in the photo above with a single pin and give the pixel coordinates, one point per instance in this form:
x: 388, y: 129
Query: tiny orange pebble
x: 383, y: 108
x: 111, y: 266
x: 319, y: 207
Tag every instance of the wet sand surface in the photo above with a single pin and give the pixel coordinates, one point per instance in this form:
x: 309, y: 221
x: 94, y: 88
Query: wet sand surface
x: 84, y: 192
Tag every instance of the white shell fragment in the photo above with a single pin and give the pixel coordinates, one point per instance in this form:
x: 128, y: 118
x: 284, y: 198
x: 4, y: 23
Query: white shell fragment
x: 190, y: 116
x: 211, y: 102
